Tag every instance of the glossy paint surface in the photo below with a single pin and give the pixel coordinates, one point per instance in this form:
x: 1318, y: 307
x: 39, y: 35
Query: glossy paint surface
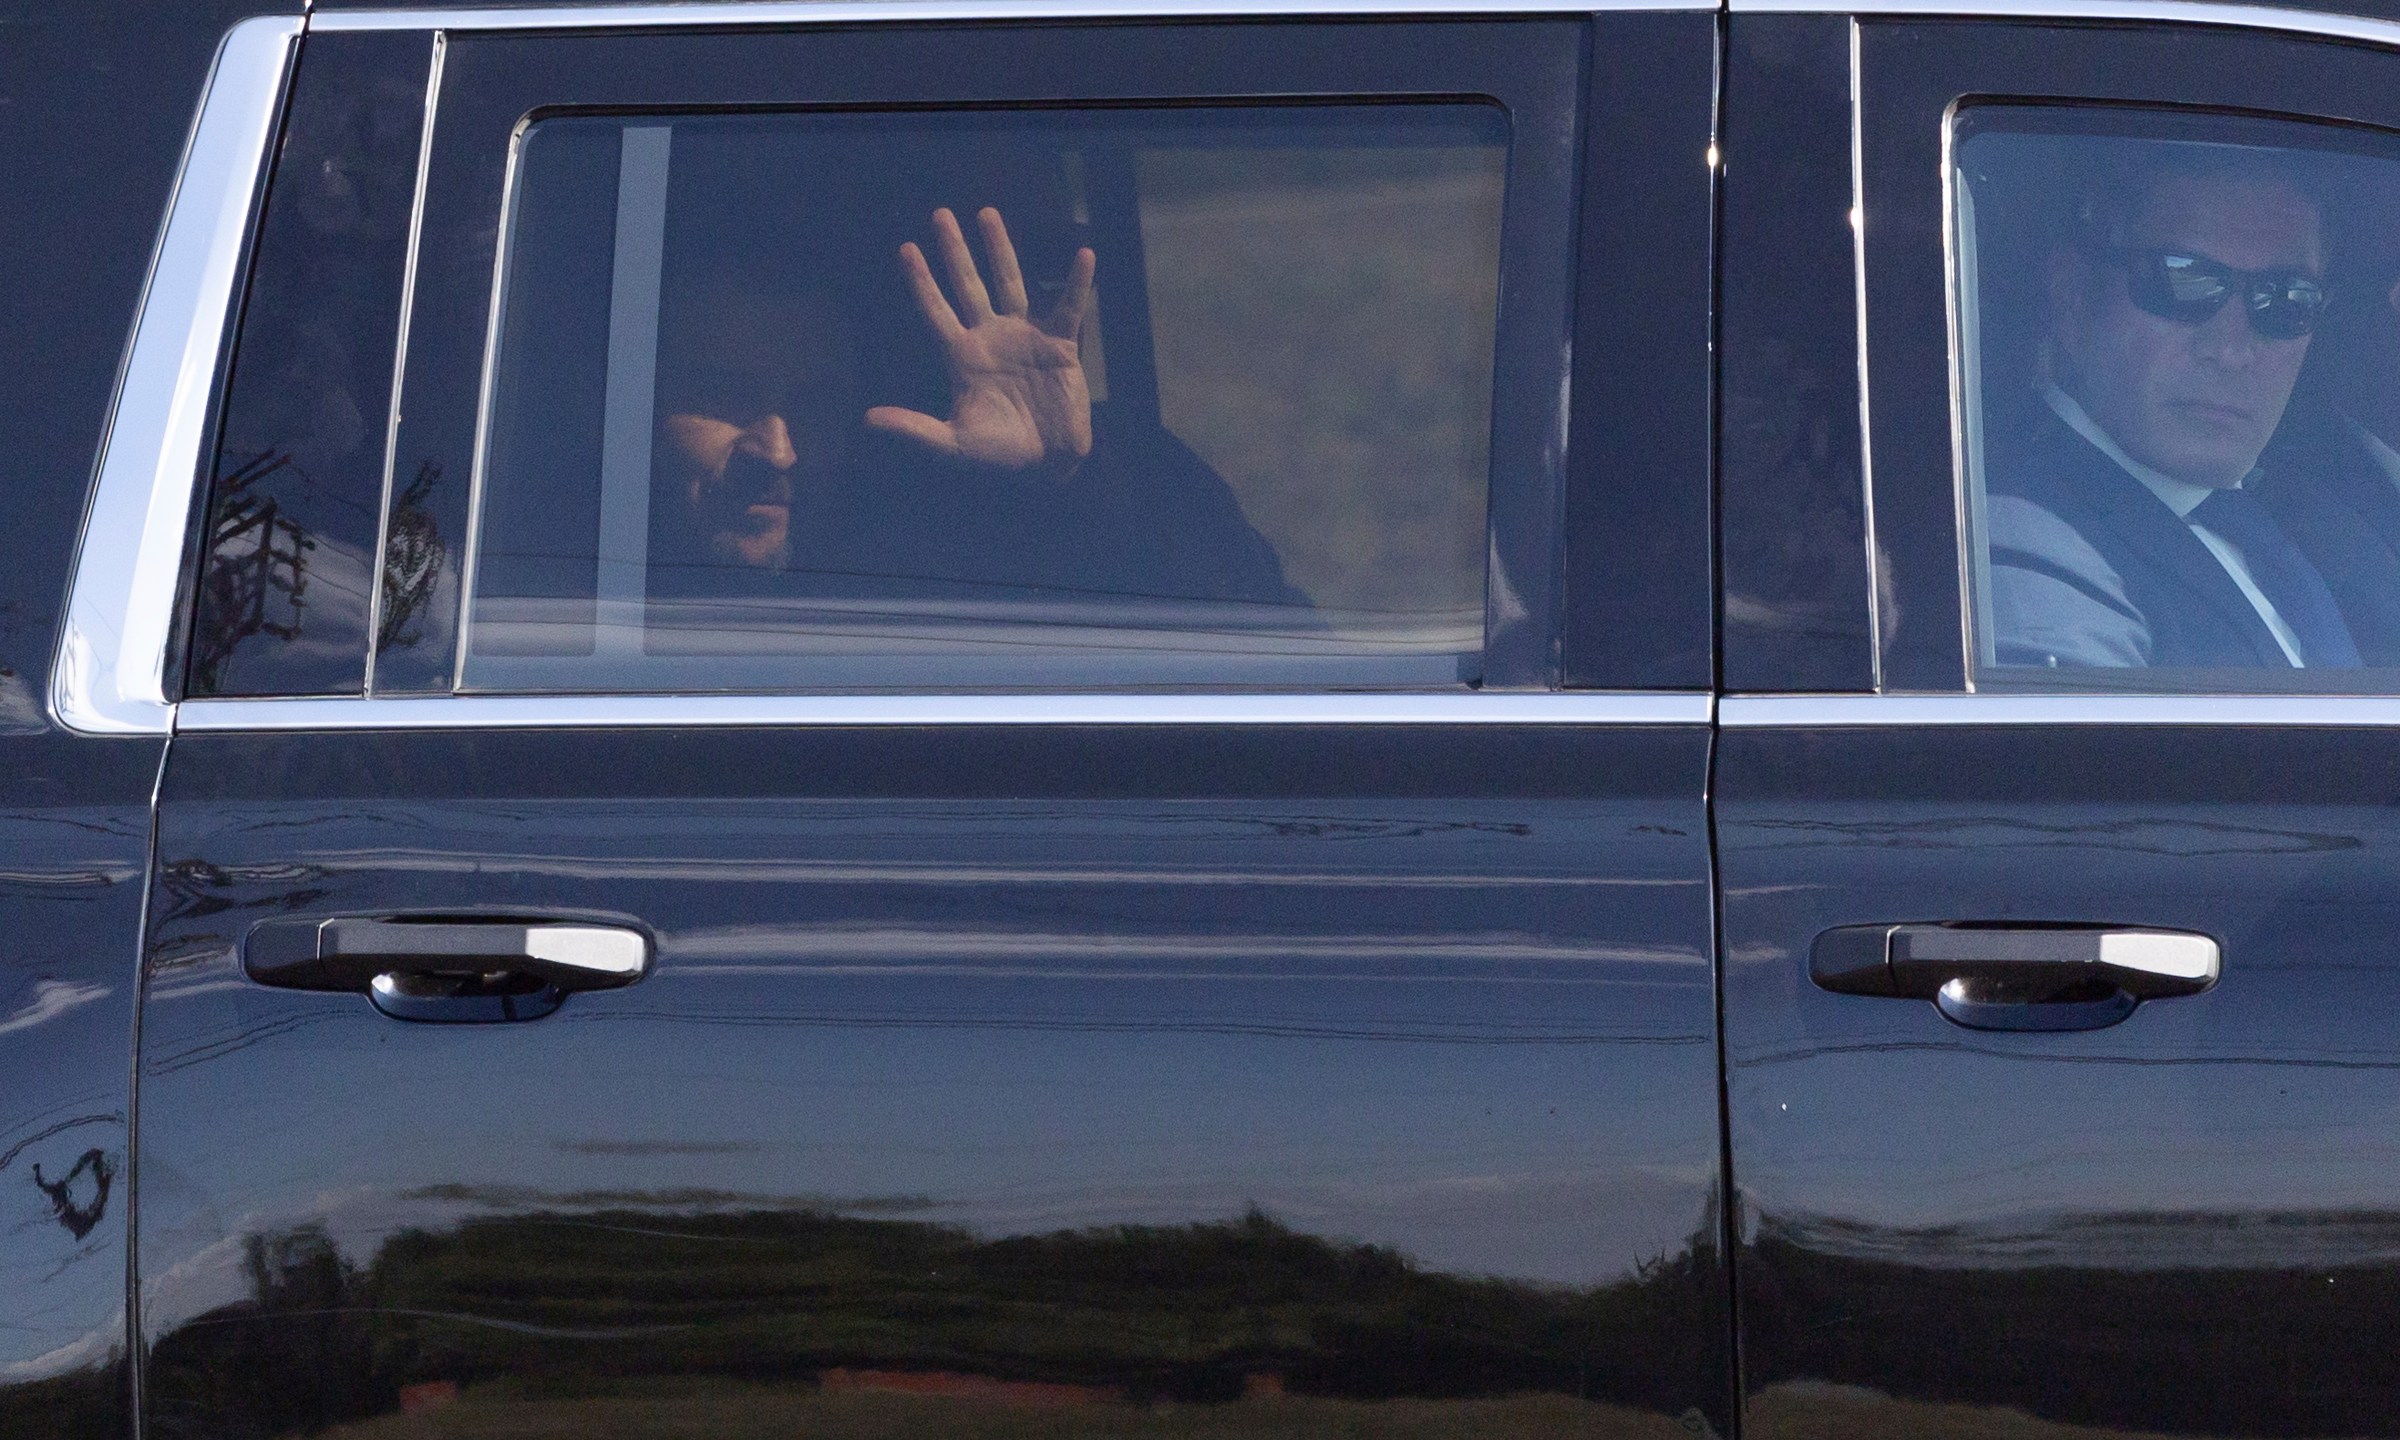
x: 2184, y: 1223
x: 74, y: 840
x: 86, y: 90
x: 1061, y: 1082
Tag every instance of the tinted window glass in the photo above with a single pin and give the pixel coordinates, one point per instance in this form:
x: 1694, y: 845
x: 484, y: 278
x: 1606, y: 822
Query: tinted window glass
x: 2178, y: 348
x: 283, y: 604
x: 1024, y: 398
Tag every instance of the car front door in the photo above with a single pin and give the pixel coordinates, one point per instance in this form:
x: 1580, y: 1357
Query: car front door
x: 2061, y: 1082
x: 1071, y: 1045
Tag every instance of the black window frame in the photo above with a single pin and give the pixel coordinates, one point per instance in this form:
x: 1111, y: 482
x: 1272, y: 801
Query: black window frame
x: 490, y: 83
x: 1640, y: 549
x: 1796, y: 606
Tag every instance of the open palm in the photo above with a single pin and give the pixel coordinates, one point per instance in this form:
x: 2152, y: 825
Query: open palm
x: 1018, y: 398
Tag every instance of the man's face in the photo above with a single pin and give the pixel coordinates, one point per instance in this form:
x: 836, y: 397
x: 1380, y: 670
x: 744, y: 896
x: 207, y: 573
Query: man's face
x: 737, y: 481
x: 2195, y: 402
x: 764, y: 381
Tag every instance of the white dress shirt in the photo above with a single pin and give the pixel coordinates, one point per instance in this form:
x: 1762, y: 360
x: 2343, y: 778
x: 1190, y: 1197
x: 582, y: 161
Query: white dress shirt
x: 2183, y: 497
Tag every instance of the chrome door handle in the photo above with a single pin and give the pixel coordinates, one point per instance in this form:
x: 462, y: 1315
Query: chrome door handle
x: 447, y: 970
x: 2017, y: 977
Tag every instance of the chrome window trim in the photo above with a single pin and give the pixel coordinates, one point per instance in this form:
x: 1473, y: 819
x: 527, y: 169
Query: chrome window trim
x: 2186, y: 12
x: 531, y: 712
x: 1810, y: 712
x: 408, y: 310
x: 109, y: 674
x: 846, y: 12
x: 470, y: 563
x: 1866, y: 389
x: 109, y: 677
x: 1965, y: 449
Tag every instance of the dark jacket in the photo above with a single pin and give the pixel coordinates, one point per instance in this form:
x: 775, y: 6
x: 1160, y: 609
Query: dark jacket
x: 1143, y: 519
x: 2089, y: 568
x: 2343, y: 512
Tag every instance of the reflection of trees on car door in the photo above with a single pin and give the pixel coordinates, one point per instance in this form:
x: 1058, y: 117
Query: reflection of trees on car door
x: 1255, y: 1076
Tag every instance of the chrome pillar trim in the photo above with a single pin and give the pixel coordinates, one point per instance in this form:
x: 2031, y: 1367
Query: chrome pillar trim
x: 2183, y: 12
x: 1808, y: 712
x: 846, y: 12
x: 1866, y: 388
x: 470, y: 567
x: 525, y: 712
x: 408, y: 309
x: 1966, y: 383
x: 110, y: 674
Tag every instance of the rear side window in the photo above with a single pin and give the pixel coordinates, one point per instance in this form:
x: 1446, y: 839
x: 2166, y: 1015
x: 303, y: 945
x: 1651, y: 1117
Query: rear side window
x: 1025, y: 397
x: 802, y: 358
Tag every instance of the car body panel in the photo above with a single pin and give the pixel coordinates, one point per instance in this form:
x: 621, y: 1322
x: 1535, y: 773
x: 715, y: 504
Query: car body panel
x: 2180, y: 1223
x: 86, y: 90
x: 1221, y: 1006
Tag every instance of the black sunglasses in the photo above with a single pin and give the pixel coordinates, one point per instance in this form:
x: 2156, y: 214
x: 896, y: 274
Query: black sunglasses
x: 2189, y: 289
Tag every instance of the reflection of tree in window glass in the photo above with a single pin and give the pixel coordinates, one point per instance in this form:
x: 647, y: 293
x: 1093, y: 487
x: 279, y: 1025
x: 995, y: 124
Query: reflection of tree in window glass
x: 2178, y: 345
x: 967, y: 398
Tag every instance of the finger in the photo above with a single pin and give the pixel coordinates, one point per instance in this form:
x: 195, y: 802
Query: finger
x: 963, y: 278
x: 937, y: 310
x: 914, y: 425
x: 1007, y: 277
x: 1067, y: 321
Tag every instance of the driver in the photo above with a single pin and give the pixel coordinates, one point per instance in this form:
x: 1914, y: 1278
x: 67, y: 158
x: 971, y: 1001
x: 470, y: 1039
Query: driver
x: 2130, y: 530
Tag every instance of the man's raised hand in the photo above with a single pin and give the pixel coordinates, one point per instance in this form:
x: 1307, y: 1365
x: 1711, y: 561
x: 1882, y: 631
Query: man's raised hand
x: 1018, y: 399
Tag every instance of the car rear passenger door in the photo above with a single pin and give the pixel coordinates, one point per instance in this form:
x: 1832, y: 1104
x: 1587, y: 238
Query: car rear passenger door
x: 573, y: 1000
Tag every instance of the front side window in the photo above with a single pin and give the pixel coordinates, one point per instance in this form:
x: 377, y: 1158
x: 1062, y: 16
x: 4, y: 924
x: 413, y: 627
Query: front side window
x: 2179, y: 351
x: 1005, y: 399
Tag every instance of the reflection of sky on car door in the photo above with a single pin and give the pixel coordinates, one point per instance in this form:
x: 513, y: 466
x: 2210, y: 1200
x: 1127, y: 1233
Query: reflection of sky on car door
x: 70, y: 899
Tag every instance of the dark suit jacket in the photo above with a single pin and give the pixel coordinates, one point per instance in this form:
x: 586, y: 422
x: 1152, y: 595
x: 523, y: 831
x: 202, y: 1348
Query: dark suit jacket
x: 2089, y: 568
x: 1144, y: 520
x: 2343, y: 512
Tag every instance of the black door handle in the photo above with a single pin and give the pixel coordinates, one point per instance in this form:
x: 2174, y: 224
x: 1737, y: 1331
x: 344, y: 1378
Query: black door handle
x: 2017, y: 978
x: 448, y: 970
